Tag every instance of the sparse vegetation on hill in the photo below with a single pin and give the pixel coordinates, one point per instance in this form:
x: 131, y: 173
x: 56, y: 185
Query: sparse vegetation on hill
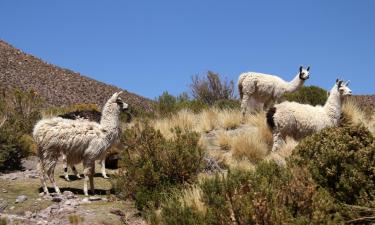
x: 57, y: 86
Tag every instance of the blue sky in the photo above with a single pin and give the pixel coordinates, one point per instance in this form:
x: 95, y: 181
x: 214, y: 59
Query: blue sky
x: 147, y: 47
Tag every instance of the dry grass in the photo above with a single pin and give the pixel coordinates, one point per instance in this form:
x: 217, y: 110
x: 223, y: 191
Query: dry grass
x: 192, y: 197
x: 259, y: 120
x: 283, y: 153
x: 208, y: 120
x: 230, y: 119
x: 249, y: 145
x: 353, y: 112
x: 184, y: 119
x: 223, y: 140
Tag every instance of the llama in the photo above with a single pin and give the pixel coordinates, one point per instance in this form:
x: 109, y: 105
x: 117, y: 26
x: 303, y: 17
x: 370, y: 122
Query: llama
x: 299, y: 120
x: 91, y: 115
x: 258, y: 90
x: 80, y: 140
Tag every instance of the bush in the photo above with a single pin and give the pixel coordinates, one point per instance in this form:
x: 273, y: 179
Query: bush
x: 21, y: 110
x: 269, y: 195
x: 153, y: 166
x: 211, y: 88
x: 312, y: 95
x: 342, y: 160
x: 227, y: 104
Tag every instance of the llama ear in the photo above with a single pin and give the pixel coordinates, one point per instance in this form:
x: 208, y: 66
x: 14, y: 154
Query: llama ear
x: 337, y: 80
x: 118, y: 93
x: 300, y: 69
x: 347, y: 83
x: 308, y: 68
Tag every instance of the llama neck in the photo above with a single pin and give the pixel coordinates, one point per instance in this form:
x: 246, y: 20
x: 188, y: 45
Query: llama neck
x: 295, y: 84
x: 333, y: 105
x: 110, y: 118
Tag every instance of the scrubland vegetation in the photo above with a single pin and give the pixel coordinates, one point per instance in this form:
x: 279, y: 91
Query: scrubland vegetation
x: 197, y: 160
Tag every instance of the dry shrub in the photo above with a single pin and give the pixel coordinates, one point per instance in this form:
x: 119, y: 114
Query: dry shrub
x: 54, y: 111
x: 230, y: 119
x: 208, y: 120
x: 249, y: 145
x: 223, y: 140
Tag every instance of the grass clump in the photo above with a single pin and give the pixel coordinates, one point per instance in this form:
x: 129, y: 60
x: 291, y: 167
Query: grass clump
x: 153, y: 166
x: 268, y: 195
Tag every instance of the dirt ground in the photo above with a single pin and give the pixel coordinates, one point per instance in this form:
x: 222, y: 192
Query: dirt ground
x: 70, y: 208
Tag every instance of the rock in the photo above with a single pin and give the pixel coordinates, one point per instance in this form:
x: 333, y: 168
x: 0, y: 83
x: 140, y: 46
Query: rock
x: 21, y: 198
x: 13, y: 178
x: 95, y: 198
x: 41, y: 194
x: 3, y: 206
x: 57, y: 199
x: 69, y: 194
x: 28, y: 214
x: 4, y: 191
x: 85, y: 201
x: 68, y: 202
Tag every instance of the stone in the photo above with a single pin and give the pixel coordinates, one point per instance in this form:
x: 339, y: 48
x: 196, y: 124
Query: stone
x: 57, y: 199
x: 69, y: 194
x: 95, y: 198
x: 4, y: 191
x: 21, y: 198
x: 85, y: 201
x: 28, y: 214
x: 3, y: 206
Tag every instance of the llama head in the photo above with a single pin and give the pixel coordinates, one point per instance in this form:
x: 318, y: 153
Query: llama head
x: 116, y: 100
x: 304, y: 74
x: 343, y: 88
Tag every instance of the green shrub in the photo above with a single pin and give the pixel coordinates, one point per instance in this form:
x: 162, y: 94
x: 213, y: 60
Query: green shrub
x: 342, y: 160
x: 227, y: 104
x: 269, y: 195
x: 21, y: 110
x: 153, y: 166
x: 312, y: 95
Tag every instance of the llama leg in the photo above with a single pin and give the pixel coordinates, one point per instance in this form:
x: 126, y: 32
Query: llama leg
x: 91, y: 177
x: 278, y: 141
x: 102, y: 163
x: 88, y: 173
x: 244, y: 104
x: 85, y: 179
x: 76, y: 172
x: 51, y: 175
x: 43, y: 178
x: 65, y: 165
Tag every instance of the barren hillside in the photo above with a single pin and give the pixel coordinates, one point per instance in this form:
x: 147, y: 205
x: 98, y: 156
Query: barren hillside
x: 57, y: 86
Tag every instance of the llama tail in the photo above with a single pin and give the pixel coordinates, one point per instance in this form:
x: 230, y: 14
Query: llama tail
x: 240, y: 85
x: 270, y: 119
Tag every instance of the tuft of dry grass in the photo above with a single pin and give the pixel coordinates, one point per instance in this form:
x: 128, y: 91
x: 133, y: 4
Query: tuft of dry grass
x: 230, y: 119
x: 249, y: 145
x: 184, y: 119
x: 353, y: 112
x: 283, y: 153
x: 192, y: 197
x: 208, y: 120
x: 223, y: 140
x: 259, y: 120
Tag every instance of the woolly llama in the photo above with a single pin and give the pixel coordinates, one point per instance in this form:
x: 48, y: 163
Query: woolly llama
x: 299, y: 120
x: 258, y: 90
x: 91, y: 115
x: 79, y: 140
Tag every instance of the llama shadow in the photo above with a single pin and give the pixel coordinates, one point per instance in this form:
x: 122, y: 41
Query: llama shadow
x: 74, y: 178
x: 78, y: 191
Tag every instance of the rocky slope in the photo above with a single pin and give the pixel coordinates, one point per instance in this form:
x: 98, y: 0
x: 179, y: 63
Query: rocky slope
x: 57, y: 86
